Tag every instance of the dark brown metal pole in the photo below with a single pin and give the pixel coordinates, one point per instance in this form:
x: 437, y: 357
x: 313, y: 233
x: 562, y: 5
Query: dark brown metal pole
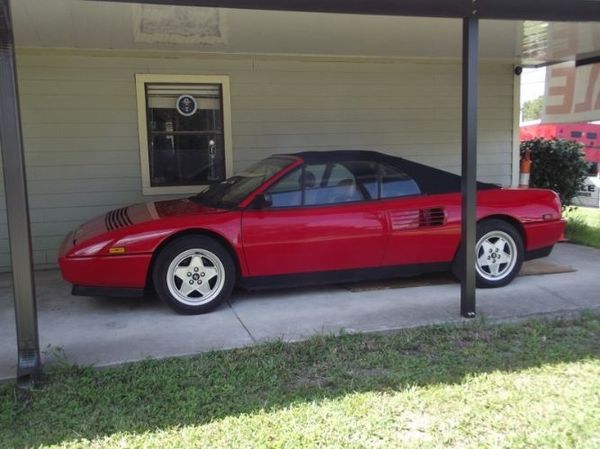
x: 469, y: 164
x: 17, y: 209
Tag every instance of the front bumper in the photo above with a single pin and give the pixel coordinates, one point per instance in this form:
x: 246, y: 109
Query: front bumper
x: 118, y: 271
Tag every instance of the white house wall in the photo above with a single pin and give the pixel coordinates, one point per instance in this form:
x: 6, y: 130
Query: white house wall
x: 80, y: 121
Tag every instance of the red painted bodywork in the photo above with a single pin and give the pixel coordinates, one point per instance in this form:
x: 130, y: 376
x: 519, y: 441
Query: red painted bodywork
x: 366, y: 234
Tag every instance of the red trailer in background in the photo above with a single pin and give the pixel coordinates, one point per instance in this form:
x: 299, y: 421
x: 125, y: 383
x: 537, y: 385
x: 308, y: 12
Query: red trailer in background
x: 587, y: 134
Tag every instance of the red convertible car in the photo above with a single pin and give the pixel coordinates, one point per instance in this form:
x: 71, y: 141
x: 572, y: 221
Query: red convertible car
x: 312, y: 217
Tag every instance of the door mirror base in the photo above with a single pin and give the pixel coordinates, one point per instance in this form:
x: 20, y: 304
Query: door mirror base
x: 262, y: 201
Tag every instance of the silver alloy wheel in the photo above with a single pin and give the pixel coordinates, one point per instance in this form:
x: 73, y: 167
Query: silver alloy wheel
x: 496, y: 255
x: 195, y: 277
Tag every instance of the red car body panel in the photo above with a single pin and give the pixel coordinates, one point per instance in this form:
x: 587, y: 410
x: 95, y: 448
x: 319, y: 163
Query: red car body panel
x: 88, y: 261
x: 116, y: 250
x: 126, y: 271
x: 408, y: 243
x: 309, y: 239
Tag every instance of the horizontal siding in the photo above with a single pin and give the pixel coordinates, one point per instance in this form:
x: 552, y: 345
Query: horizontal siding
x: 80, y: 122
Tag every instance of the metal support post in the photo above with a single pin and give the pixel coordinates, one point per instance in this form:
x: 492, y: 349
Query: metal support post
x: 17, y: 209
x: 469, y: 164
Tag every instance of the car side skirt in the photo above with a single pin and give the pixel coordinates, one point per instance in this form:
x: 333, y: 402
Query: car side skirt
x: 114, y: 292
x: 341, y: 276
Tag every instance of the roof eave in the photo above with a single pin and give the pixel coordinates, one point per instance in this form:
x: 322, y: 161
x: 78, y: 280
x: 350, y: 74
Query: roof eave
x: 550, y: 10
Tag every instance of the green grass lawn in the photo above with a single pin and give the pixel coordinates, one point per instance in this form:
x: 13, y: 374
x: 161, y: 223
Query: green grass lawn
x: 529, y: 385
x: 583, y: 226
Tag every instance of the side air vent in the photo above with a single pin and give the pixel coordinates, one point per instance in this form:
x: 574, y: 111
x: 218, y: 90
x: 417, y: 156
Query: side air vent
x: 117, y: 218
x: 405, y: 220
x: 432, y: 217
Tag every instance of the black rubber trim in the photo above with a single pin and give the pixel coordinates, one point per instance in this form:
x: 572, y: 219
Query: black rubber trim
x: 336, y: 277
x: 116, y: 292
x: 538, y: 253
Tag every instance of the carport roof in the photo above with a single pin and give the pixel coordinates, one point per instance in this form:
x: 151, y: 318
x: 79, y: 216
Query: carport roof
x: 571, y: 10
x: 77, y: 24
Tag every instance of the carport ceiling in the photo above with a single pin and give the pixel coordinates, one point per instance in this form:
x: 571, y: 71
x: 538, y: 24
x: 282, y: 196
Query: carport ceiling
x: 125, y: 26
x: 571, y: 10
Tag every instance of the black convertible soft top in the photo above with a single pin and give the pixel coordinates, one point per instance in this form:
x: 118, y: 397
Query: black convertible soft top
x: 430, y: 180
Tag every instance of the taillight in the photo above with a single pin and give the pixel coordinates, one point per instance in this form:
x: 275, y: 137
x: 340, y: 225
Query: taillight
x: 557, y: 205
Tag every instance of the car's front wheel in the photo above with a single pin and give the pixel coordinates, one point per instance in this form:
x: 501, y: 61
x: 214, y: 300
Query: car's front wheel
x: 194, y: 274
x: 498, y: 254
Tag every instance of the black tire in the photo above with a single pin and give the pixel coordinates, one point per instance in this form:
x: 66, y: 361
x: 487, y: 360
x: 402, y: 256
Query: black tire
x: 205, y: 256
x: 514, y: 244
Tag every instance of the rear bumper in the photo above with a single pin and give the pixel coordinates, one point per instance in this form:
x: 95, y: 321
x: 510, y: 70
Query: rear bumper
x: 543, y: 235
x: 538, y: 253
x: 122, y: 271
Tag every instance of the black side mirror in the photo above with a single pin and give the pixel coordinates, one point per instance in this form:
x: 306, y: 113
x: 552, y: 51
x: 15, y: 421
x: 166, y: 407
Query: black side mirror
x: 262, y: 201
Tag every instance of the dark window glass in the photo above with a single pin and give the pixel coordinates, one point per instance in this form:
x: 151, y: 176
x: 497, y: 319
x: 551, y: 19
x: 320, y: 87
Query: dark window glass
x: 366, y: 177
x: 576, y: 134
x: 186, y: 145
x: 287, y: 192
x: 395, y: 183
x: 592, y: 136
x: 320, y: 184
x: 336, y: 185
x: 301, y: 183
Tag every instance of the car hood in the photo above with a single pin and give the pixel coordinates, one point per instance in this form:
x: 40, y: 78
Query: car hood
x: 125, y: 217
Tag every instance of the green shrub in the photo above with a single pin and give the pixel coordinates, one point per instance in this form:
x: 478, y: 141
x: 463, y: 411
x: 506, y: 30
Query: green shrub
x: 558, y: 165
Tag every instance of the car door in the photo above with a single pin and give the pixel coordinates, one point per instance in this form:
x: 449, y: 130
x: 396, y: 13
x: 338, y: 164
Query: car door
x: 422, y: 228
x: 318, y: 221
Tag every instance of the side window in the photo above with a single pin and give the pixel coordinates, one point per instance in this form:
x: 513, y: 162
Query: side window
x: 312, y: 181
x: 287, y: 192
x: 395, y: 183
x: 321, y: 184
x: 301, y: 183
x: 366, y: 176
x: 338, y: 185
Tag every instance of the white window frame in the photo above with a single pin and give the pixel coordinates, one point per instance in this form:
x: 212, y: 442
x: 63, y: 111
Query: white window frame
x: 140, y: 82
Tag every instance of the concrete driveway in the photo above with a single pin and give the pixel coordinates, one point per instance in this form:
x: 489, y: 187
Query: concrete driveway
x: 104, y: 331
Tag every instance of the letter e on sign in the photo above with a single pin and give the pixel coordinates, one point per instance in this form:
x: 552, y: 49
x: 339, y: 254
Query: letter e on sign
x: 572, y: 93
x: 561, y: 93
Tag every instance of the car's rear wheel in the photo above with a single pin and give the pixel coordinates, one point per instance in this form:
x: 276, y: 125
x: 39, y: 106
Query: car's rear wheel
x: 194, y: 274
x: 498, y: 254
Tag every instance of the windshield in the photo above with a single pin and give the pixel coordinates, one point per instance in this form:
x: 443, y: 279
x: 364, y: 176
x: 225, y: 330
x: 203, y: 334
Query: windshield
x: 232, y: 191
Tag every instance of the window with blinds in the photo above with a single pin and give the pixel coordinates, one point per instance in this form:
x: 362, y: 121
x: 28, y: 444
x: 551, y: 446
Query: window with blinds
x: 185, y: 133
